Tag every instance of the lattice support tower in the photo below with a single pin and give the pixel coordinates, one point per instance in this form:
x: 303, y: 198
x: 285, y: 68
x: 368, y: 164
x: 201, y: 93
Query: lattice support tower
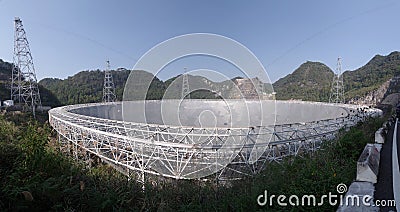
x: 259, y: 88
x: 185, y: 85
x: 337, y: 91
x: 109, y: 88
x: 24, y: 87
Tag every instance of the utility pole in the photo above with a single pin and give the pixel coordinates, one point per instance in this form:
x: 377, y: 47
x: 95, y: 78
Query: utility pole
x: 185, y: 85
x: 337, y: 91
x: 108, y: 89
x: 24, y: 87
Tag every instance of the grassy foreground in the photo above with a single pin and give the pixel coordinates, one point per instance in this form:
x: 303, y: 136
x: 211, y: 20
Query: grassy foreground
x: 34, y: 175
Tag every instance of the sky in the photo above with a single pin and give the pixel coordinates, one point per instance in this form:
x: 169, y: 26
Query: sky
x: 70, y: 36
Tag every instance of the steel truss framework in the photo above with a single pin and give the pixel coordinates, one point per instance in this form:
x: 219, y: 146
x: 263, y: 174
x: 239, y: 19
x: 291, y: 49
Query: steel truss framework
x: 146, y: 148
x: 24, y: 88
x: 337, y: 90
x: 185, y: 86
x: 108, y: 88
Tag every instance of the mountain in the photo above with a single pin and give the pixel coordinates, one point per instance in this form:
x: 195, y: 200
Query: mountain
x: 371, y: 76
x: 201, y: 87
x: 87, y: 86
x: 311, y: 81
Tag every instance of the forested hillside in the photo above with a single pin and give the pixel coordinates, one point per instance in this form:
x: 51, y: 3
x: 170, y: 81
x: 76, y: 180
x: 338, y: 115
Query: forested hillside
x: 87, y: 86
x: 84, y: 87
x: 5, y: 79
x: 372, y: 75
x: 312, y: 80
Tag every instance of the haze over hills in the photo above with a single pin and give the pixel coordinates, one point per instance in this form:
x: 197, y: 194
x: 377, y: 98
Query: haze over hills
x: 310, y: 82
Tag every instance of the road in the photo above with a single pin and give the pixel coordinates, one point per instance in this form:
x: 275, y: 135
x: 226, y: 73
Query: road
x: 388, y: 185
